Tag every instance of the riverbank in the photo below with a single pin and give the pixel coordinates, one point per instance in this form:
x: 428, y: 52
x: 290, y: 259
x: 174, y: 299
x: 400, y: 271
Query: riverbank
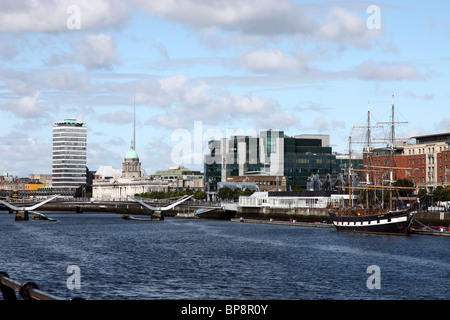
x: 424, y: 217
x: 284, y: 223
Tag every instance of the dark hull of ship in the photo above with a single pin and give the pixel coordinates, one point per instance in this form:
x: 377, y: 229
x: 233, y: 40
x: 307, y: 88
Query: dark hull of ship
x: 393, y: 222
x: 217, y: 214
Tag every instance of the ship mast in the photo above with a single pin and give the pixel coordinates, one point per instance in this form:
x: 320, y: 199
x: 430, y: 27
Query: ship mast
x: 392, y: 150
x: 368, y: 154
x: 368, y: 151
x: 391, y: 160
x: 376, y: 169
x: 350, y: 202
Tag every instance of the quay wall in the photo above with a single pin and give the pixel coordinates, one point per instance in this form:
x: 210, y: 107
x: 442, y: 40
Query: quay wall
x: 300, y: 214
x: 441, y: 218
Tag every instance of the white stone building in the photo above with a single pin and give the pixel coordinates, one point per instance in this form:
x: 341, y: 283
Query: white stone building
x: 108, y: 185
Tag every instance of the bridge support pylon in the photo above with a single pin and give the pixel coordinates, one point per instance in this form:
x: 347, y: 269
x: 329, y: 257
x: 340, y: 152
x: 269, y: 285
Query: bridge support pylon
x: 158, y: 215
x: 21, y: 215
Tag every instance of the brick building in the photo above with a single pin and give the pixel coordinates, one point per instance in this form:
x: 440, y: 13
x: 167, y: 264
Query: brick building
x: 426, y: 163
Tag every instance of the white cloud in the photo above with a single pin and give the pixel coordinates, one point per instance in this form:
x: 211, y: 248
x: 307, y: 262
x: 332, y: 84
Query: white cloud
x: 27, y: 107
x: 171, y: 90
x: 25, y: 154
x: 269, y: 61
x: 19, y: 87
x: 183, y: 101
x: 254, y: 20
x: 52, y: 16
x: 97, y: 51
x: 386, y: 71
x: 61, y: 79
x: 99, y: 154
x: 321, y: 124
x: 425, y: 96
x: 345, y: 27
x: 117, y: 117
x: 266, y: 17
x: 276, y: 120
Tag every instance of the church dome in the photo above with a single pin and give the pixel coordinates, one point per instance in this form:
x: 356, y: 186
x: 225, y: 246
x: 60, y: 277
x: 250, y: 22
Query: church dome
x: 131, y: 154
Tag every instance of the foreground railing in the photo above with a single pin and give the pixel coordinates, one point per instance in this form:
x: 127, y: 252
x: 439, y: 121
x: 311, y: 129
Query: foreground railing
x: 27, y: 291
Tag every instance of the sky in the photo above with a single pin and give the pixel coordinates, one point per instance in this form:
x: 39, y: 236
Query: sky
x: 199, y: 70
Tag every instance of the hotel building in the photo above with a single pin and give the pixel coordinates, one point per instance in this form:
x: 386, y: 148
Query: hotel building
x: 69, y: 154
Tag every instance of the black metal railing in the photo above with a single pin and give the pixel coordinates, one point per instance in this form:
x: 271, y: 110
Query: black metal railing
x: 27, y: 290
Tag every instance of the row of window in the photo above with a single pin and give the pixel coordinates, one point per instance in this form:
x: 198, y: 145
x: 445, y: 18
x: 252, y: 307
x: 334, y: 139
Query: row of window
x: 430, y: 150
x: 57, y: 148
x: 64, y: 157
x: 67, y: 141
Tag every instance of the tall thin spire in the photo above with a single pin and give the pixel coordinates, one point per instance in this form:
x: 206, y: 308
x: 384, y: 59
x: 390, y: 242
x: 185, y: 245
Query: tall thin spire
x: 368, y: 128
x: 392, y: 126
x: 134, y: 117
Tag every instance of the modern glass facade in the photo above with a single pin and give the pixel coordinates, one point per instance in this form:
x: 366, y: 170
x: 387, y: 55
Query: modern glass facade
x: 274, y: 154
x: 69, y: 154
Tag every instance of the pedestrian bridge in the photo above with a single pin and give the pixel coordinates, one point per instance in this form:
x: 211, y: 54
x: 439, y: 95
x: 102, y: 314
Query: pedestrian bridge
x: 22, y: 208
x: 21, y: 212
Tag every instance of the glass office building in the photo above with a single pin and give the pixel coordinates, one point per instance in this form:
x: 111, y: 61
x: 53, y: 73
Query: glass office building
x: 69, y: 169
x: 274, y: 154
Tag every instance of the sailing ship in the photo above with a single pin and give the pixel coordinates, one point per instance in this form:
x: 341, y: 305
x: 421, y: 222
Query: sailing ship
x: 373, y: 218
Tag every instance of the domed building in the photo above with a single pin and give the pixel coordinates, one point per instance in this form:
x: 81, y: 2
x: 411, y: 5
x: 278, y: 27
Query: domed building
x: 131, y: 167
x: 131, y: 182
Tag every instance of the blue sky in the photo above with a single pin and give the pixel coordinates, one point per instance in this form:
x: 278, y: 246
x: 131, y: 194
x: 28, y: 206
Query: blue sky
x: 204, y: 69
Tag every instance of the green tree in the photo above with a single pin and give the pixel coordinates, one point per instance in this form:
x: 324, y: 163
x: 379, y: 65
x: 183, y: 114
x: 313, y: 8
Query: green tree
x: 441, y: 194
x: 225, y: 193
x: 199, y: 194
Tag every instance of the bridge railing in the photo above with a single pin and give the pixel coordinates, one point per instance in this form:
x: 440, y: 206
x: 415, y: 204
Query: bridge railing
x: 27, y: 291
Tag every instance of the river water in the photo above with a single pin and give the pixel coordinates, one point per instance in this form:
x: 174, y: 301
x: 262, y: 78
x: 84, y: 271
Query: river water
x: 179, y: 259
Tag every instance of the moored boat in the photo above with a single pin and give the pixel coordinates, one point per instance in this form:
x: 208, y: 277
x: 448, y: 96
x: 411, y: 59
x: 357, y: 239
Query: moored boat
x: 371, y: 218
x: 391, y: 222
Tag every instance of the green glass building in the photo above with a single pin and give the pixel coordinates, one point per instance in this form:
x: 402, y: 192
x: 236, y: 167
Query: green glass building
x: 274, y: 154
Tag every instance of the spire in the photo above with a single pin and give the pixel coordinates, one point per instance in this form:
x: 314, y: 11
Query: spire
x: 133, y: 145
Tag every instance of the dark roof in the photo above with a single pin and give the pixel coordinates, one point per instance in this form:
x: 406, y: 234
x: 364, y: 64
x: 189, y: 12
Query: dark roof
x: 435, y: 137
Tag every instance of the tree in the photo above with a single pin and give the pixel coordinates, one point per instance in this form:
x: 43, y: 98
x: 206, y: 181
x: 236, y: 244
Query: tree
x: 405, y: 183
x: 199, y: 194
x: 225, y: 193
x: 441, y: 194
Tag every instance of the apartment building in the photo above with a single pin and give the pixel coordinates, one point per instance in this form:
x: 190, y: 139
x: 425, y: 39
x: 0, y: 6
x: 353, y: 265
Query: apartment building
x: 426, y: 163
